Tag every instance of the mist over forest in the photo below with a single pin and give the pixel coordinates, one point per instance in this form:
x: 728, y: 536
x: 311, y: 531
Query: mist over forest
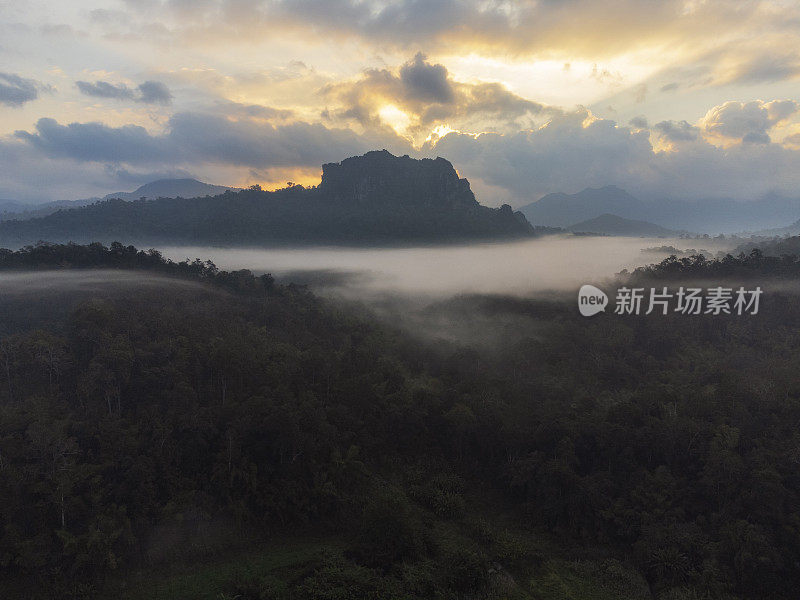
x: 405, y: 433
x: 543, y: 264
x: 368, y: 300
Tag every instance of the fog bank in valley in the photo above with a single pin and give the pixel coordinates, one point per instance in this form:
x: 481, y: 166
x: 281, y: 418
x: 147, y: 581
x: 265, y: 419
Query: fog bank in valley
x: 554, y: 263
x: 83, y: 281
x: 35, y: 298
x: 479, y: 295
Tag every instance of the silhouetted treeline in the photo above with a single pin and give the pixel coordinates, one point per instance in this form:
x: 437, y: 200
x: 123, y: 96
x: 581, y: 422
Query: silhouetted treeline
x: 754, y: 264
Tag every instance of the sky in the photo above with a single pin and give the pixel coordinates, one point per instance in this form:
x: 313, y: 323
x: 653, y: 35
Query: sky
x: 685, y: 99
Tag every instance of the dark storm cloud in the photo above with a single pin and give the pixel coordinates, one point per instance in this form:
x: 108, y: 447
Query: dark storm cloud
x: 677, y: 131
x: 149, y: 92
x: 16, y: 90
x: 755, y: 137
x: 154, y: 92
x: 95, y: 142
x: 259, y: 144
x: 198, y: 137
x: 103, y: 89
x: 426, y: 82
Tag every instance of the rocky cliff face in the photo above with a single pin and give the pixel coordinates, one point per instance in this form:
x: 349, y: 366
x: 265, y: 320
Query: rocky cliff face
x: 381, y: 178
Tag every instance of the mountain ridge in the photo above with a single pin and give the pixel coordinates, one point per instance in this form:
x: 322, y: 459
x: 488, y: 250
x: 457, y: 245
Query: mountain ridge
x: 610, y: 224
x: 376, y: 198
x: 711, y: 215
x: 160, y: 188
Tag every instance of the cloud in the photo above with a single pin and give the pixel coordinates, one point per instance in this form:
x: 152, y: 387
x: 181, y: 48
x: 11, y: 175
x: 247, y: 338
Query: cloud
x: 26, y: 174
x: 103, y: 89
x: 792, y: 140
x: 59, y: 30
x: 258, y: 144
x: 758, y: 68
x: 196, y: 138
x: 746, y: 121
x: 427, y: 95
x: 154, y: 92
x: 677, y: 131
x: 565, y: 30
x: 95, y: 142
x: 575, y: 151
x: 16, y: 90
x: 149, y: 92
x: 57, y: 161
x: 638, y: 122
x: 425, y: 82
x: 241, y: 110
x: 570, y: 151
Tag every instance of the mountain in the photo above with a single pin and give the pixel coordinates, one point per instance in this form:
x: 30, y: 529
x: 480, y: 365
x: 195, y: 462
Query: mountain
x: 789, y: 230
x: 377, y: 198
x: 171, y: 188
x: 163, y: 188
x: 10, y: 206
x: 608, y: 224
x: 712, y: 215
x: 18, y: 210
x: 562, y: 210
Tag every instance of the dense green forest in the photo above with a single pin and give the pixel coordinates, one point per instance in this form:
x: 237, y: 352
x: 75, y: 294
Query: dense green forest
x: 232, y: 437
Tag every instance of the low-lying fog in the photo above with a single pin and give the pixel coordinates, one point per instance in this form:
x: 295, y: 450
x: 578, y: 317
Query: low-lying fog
x: 82, y: 281
x: 32, y: 299
x: 409, y: 287
x: 520, y: 268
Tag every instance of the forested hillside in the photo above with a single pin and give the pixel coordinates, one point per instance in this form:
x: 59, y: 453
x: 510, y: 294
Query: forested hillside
x: 376, y: 198
x: 269, y: 444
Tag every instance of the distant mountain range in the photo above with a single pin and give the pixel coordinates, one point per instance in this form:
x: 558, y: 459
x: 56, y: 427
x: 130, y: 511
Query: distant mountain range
x: 163, y: 188
x: 608, y: 224
x: 376, y: 198
x: 564, y: 210
x: 11, y: 209
x: 172, y: 188
x: 789, y: 230
x: 700, y: 216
